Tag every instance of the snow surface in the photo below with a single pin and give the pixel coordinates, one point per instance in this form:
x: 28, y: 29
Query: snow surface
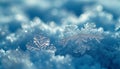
x: 69, y: 34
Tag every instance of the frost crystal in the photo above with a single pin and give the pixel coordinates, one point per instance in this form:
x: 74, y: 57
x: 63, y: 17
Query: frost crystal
x: 80, y: 43
x: 40, y: 43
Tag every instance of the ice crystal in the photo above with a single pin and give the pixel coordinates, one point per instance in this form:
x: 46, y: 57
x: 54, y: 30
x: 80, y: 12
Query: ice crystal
x: 40, y: 42
x: 80, y: 43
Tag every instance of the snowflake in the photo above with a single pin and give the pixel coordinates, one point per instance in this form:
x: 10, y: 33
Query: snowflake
x: 40, y: 43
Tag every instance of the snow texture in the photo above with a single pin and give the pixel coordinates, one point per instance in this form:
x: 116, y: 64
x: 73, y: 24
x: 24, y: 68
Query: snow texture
x: 69, y: 34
